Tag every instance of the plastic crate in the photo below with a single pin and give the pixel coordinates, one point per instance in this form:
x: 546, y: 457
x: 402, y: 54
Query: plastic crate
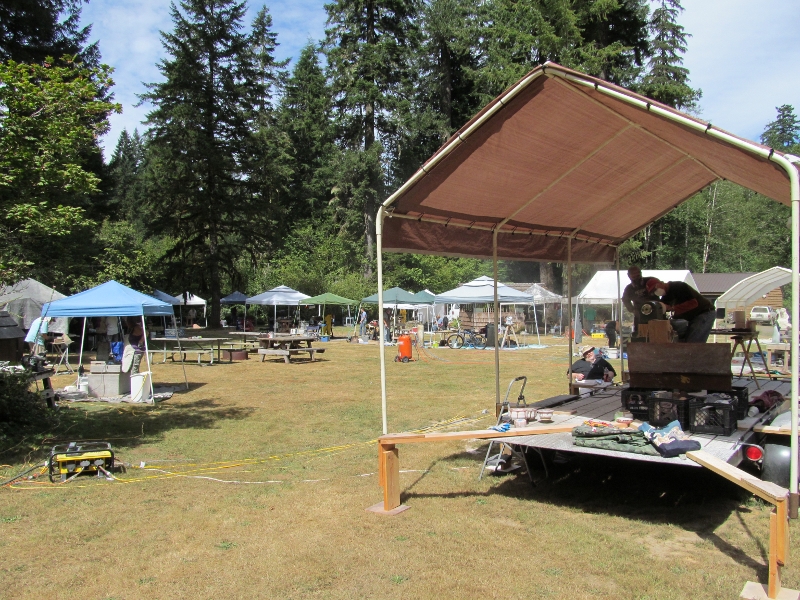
x: 663, y: 411
x: 640, y: 414
x: 717, y: 418
x: 633, y: 398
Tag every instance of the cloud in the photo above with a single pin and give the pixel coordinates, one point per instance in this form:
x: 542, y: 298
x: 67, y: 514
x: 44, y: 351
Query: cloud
x: 744, y: 56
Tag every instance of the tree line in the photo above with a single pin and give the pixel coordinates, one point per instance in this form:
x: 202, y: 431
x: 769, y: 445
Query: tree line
x: 250, y: 173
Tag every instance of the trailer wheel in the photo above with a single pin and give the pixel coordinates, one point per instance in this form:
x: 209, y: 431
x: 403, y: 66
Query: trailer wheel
x: 775, y: 466
x: 405, y: 359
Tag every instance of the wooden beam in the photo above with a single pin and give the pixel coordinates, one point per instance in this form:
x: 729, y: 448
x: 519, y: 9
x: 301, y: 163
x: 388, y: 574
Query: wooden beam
x: 391, y: 487
x: 774, y: 582
x: 477, y: 434
x: 765, y: 490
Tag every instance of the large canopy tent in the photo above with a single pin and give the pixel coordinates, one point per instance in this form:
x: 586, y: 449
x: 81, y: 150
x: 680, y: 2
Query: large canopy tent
x: 753, y: 288
x: 394, y: 296
x: 24, y: 300
x: 109, y: 299
x: 165, y: 297
x: 328, y: 298
x: 541, y: 295
x: 564, y: 167
x: 602, y: 287
x: 277, y: 296
x: 189, y: 299
x: 234, y: 298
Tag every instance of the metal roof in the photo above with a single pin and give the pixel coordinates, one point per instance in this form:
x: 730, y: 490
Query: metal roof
x: 714, y: 284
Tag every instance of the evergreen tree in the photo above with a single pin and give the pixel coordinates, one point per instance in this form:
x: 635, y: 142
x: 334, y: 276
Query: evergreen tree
x: 667, y: 81
x: 203, y: 169
x: 305, y: 114
x: 784, y: 132
x: 124, y: 170
x: 368, y: 47
x: 32, y: 30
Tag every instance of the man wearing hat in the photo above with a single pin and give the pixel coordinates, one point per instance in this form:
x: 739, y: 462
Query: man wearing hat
x: 592, y: 367
x: 636, y: 293
x: 687, y: 305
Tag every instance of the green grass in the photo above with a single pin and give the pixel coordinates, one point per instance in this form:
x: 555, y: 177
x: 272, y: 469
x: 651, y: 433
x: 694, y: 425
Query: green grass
x: 292, y: 447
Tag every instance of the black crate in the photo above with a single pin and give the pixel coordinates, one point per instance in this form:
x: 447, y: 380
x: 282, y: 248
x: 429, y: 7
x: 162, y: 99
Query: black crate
x: 663, y: 411
x: 640, y: 414
x: 719, y: 418
x: 635, y: 399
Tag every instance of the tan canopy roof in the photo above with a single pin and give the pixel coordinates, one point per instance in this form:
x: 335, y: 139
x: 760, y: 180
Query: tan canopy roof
x: 559, y: 155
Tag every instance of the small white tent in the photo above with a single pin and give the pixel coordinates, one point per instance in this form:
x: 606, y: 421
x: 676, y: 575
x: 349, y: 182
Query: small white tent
x: 481, y: 291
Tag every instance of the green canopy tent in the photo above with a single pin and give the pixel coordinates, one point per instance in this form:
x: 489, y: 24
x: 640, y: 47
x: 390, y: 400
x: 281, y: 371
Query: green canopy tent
x: 392, y: 296
x: 328, y: 298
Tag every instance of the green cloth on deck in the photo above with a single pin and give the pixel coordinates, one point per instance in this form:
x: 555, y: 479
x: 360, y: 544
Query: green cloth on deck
x: 628, y: 440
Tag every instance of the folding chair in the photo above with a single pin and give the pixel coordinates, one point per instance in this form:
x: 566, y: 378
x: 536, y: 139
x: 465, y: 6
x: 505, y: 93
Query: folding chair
x: 61, y: 347
x: 494, y: 461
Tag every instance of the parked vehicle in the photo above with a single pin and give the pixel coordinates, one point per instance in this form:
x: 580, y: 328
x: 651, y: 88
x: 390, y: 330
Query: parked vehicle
x: 762, y: 313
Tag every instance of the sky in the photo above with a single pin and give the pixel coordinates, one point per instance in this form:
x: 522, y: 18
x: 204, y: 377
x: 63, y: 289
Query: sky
x: 744, y: 56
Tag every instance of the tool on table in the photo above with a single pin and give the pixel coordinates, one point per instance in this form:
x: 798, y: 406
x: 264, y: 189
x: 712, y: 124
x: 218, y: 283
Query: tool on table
x: 496, y: 461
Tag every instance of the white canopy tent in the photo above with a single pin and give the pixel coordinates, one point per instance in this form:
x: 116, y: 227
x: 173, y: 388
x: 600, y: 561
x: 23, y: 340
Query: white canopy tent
x: 751, y: 289
x: 189, y: 299
x: 543, y: 296
x: 277, y: 296
x: 602, y: 288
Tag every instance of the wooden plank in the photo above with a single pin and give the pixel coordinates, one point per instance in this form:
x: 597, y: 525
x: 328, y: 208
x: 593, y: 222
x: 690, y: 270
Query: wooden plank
x: 659, y: 332
x: 763, y: 489
x: 391, y: 488
x: 478, y: 434
x: 708, y: 359
x: 773, y: 430
x: 774, y: 583
x: 782, y: 512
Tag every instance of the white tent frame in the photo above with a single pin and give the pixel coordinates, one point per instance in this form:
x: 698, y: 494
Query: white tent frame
x: 750, y: 289
x: 786, y: 163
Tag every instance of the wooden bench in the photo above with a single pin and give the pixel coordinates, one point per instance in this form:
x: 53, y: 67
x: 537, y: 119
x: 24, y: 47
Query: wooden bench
x: 183, y: 352
x: 287, y: 354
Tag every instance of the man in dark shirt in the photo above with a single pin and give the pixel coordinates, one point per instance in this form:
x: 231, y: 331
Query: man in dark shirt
x: 592, y: 367
x: 686, y: 303
x: 636, y: 293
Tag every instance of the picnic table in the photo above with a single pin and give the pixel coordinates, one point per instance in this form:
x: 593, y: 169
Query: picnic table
x: 199, y: 345
x: 287, y: 346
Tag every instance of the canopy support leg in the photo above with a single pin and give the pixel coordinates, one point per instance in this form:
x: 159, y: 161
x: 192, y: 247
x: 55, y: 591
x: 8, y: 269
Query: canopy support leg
x: 381, y: 336
x: 496, y: 319
x: 619, y: 321
x: 794, y: 499
x: 149, y: 366
x: 569, y: 308
x: 80, y: 354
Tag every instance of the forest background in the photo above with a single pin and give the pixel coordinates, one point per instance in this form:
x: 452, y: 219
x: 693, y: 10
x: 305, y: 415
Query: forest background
x: 251, y: 175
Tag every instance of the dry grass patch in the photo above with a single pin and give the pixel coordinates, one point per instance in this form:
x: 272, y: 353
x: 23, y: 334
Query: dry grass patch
x: 294, y: 526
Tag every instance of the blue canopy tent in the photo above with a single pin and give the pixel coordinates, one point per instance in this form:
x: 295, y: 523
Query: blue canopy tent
x: 109, y: 299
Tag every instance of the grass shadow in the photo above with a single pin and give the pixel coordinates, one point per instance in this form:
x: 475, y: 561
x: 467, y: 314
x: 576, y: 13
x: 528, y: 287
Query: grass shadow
x: 125, y: 425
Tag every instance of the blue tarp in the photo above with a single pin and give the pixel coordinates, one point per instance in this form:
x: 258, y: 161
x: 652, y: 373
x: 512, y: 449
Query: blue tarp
x: 111, y: 299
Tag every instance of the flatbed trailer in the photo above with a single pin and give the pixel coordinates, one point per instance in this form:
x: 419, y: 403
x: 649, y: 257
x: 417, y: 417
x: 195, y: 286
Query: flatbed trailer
x: 604, y: 402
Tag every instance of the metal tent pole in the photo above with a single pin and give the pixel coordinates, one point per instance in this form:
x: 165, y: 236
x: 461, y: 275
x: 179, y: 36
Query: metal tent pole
x: 619, y: 321
x: 794, y: 499
x: 147, y: 354
x: 496, y: 319
x: 381, y: 336
x: 569, y: 306
x: 80, y: 354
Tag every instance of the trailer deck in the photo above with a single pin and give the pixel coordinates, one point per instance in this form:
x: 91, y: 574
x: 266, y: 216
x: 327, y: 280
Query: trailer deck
x: 604, y: 403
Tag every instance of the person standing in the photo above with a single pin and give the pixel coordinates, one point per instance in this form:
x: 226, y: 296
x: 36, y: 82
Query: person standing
x: 686, y: 304
x: 636, y: 293
x: 192, y: 316
x: 362, y: 322
x: 329, y: 325
x: 35, y: 335
x: 611, y: 334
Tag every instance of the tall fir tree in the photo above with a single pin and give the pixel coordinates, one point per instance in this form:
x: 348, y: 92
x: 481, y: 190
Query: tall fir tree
x: 667, y: 80
x: 124, y: 169
x: 368, y: 47
x: 305, y: 114
x: 202, y: 157
x: 784, y: 132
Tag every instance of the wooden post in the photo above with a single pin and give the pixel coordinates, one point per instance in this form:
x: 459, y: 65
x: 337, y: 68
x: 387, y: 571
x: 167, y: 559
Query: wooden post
x: 774, y: 583
x: 391, y: 474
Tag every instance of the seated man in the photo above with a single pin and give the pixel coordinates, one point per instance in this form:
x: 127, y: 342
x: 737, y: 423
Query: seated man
x: 686, y: 305
x: 592, y: 367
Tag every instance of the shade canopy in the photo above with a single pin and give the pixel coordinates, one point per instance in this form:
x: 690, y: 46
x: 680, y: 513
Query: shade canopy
x: 481, y: 291
x: 328, y: 298
x: 234, y: 298
x: 542, y: 295
x: 24, y: 301
x: 110, y: 299
x: 278, y: 296
x: 165, y: 297
x: 190, y: 300
x: 602, y: 288
x: 751, y: 290
x: 425, y: 297
x: 562, y: 155
x: 392, y: 296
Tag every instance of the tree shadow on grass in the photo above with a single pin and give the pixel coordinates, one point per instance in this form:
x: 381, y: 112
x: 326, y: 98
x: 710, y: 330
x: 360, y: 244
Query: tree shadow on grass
x: 692, y: 498
x: 124, y: 425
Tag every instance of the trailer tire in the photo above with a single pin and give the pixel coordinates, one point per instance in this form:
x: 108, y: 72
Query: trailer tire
x: 775, y: 466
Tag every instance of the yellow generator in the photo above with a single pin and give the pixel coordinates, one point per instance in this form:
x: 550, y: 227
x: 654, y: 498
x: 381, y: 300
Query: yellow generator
x: 69, y: 460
